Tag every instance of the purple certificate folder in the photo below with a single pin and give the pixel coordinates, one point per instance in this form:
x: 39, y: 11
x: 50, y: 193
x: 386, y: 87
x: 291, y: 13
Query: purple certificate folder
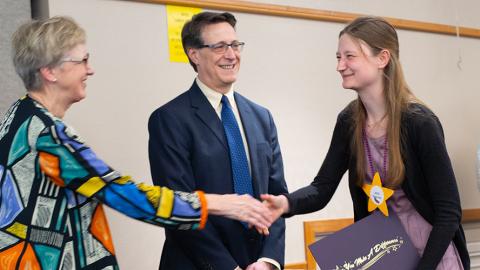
x: 375, y: 242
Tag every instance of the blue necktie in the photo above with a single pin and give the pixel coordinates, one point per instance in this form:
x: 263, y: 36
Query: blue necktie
x: 242, y: 182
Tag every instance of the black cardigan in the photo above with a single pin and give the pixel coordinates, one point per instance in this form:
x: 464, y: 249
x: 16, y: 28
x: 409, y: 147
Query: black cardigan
x: 429, y: 183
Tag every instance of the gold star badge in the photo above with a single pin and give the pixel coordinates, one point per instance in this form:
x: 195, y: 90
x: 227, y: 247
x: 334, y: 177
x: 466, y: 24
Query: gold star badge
x: 377, y: 194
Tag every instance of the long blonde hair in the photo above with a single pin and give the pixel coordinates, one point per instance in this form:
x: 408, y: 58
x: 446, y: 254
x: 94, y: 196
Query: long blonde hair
x: 380, y: 35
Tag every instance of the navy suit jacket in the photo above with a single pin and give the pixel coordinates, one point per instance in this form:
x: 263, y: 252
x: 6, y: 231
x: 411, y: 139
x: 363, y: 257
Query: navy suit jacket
x: 189, y: 151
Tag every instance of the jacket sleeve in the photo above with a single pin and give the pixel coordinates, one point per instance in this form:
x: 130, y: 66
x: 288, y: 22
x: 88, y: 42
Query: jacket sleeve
x: 67, y: 161
x: 429, y: 145
x: 316, y: 195
x: 170, y: 166
x: 274, y: 246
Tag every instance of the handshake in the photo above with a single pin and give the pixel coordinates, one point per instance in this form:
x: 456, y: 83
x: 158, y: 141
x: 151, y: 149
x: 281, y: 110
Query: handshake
x: 248, y: 209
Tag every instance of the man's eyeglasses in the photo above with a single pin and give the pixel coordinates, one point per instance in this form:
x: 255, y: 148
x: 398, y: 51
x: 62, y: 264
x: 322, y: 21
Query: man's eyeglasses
x: 222, y: 47
x: 84, y: 60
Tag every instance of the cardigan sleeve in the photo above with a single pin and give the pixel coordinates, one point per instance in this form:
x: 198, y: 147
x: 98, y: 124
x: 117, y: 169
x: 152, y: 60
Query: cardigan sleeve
x: 68, y: 162
x: 430, y: 149
x: 316, y: 195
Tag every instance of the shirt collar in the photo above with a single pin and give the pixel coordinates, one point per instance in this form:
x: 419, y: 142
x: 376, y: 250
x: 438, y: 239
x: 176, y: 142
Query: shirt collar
x: 214, y: 97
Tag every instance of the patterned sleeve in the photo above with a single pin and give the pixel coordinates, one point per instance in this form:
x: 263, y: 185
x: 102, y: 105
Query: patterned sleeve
x: 70, y: 163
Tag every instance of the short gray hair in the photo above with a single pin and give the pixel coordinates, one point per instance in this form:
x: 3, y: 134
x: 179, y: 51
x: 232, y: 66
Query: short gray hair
x: 43, y: 43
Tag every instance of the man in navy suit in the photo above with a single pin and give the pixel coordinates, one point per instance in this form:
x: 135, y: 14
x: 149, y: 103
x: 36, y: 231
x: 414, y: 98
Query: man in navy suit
x: 190, y: 150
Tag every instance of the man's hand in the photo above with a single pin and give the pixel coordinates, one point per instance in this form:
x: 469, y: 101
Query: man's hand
x: 260, y: 266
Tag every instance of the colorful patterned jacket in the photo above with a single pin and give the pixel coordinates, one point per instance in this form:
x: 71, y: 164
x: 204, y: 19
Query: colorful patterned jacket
x: 52, y: 187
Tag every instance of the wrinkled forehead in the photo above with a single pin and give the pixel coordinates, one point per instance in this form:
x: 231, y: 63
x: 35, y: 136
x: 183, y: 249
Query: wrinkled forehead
x: 218, y: 32
x: 79, y: 51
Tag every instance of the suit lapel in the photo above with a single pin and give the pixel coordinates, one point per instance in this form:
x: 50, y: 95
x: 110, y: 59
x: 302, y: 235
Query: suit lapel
x: 206, y: 113
x: 250, y: 128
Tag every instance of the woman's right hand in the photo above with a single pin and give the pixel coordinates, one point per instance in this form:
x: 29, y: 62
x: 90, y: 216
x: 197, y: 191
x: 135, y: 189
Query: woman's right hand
x: 277, y: 205
x: 241, y: 207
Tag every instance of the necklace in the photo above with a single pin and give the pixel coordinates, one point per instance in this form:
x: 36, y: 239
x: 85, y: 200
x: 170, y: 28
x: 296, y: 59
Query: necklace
x: 369, y: 155
x: 376, y: 123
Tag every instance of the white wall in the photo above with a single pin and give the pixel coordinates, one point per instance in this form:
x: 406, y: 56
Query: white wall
x: 288, y: 65
x: 12, y: 14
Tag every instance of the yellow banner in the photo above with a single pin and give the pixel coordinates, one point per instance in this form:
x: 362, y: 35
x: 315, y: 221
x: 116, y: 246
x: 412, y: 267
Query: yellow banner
x: 176, y: 17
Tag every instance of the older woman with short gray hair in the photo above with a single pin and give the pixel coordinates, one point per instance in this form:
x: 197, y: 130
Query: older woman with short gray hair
x: 53, y: 186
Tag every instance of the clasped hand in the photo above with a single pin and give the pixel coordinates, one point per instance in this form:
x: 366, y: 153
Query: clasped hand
x: 275, y: 207
x: 245, y: 208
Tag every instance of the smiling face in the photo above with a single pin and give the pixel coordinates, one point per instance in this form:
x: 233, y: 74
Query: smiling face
x: 73, y: 73
x: 217, y: 70
x: 357, y: 65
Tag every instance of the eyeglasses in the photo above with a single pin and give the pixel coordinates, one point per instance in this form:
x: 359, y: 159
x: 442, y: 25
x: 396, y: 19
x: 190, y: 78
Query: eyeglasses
x: 222, y: 47
x: 84, y: 60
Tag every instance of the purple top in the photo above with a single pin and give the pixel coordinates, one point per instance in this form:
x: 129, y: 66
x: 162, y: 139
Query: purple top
x: 417, y: 228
